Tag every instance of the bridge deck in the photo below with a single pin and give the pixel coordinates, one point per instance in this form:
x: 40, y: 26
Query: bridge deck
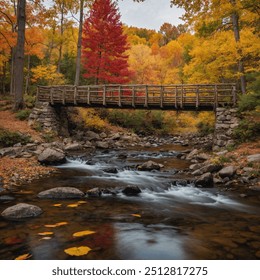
x: 168, y: 97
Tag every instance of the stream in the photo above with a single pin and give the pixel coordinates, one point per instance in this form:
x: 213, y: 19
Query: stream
x: 166, y: 221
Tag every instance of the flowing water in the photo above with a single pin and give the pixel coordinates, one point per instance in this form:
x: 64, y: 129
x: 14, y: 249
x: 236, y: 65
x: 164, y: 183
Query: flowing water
x: 166, y: 221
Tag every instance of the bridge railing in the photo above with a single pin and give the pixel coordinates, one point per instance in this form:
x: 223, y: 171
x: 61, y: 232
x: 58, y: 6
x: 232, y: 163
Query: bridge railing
x: 179, y: 97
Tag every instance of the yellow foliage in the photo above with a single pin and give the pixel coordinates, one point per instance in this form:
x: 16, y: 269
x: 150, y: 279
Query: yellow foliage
x: 77, y: 251
x: 91, y: 119
x: 47, y: 74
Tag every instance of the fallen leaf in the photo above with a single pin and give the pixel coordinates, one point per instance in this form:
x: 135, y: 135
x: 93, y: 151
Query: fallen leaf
x: 77, y: 251
x: 46, y: 238
x: 61, y: 224
x: 136, y: 215
x: 57, y: 205
x: 72, y: 205
x: 50, y: 226
x: 56, y: 225
x: 82, y: 202
x: 23, y: 257
x: 45, y: 233
x: 83, y: 233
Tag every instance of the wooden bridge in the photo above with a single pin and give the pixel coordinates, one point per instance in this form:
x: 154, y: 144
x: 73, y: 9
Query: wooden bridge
x: 193, y: 97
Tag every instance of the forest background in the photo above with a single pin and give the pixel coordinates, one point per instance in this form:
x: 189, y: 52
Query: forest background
x: 219, y: 43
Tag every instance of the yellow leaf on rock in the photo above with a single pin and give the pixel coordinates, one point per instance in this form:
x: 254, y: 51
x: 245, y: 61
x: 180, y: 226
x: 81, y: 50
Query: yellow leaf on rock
x: 72, y: 205
x: 77, y: 251
x: 136, y: 215
x: 23, y: 257
x: 57, y: 205
x: 82, y: 202
x: 61, y: 224
x: 45, y: 233
x: 83, y: 233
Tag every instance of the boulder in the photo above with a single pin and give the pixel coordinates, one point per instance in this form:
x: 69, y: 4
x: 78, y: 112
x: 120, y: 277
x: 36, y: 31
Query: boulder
x: 149, y: 165
x: 73, y: 147
x: 210, y: 168
x: 131, y: 190
x: 112, y: 170
x: 195, y: 166
x: 90, y: 135
x: 102, y: 145
x: 61, y: 193
x: 20, y: 211
x: 94, y: 192
x: 205, y: 181
x: 192, y: 154
x: 254, y: 158
x: 116, y: 136
x: 52, y: 156
x: 103, y: 135
x: 228, y: 171
x: 202, y: 156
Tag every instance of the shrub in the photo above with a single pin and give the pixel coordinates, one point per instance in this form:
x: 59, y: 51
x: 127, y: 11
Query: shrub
x: 8, y: 138
x: 206, y: 123
x: 49, y: 136
x: 29, y: 101
x: 249, y: 102
x: 23, y: 114
x: 247, y: 130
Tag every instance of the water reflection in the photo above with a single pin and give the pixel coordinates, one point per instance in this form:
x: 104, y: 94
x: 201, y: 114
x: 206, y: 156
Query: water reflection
x: 152, y: 242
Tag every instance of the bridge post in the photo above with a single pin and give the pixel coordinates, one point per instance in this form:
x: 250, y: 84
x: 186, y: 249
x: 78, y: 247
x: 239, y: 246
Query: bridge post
x: 176, y: 96
x: 119, y: 96
x: 75, y: 95
x: 197, y: 97
x: 51, y: 95
x: 146, y: 96
x: 133, y: 97
x: 161, y: 97
x: 88, y: 95
x: 104, y: 95
x: 63, y: 95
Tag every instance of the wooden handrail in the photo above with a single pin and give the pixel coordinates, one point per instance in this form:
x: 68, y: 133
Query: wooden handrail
x: 168, y: 97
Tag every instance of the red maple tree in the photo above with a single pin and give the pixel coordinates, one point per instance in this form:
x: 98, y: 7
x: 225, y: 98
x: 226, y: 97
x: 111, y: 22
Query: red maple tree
x: 104, y: 45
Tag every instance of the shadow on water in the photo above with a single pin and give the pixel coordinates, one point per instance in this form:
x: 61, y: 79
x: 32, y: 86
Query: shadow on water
x: 165, y: 221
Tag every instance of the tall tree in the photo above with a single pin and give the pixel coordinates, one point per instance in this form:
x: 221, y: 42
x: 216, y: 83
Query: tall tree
x: 104, y: 44
x: 78, y: 58
x: 19, y: 56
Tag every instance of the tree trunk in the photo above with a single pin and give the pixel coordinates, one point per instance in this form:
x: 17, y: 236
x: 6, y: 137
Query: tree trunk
x: 235, y: 22
x: 61, y: 36
x: 19, y: 57
x: 78, y: 59
x: 27, y: 81
x: 12, y: 72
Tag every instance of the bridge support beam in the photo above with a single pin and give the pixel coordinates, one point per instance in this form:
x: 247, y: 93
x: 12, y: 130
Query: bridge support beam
x: 226, y: 121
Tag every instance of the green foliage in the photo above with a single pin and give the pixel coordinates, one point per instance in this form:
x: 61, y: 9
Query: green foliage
x: 249, y: 102
x: 247, y: 130
x: 29, y: 101
x: 8, y: 138
x: 23, y: 115
x: 140, y: 121
x: 49, y: 136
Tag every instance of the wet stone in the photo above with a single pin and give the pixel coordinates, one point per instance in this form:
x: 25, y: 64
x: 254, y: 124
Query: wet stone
x: 131, y: 190
x: 61, y: 193
x: 20, y: 211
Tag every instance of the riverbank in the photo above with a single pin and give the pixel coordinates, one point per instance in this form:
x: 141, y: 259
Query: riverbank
x: 20, y: 164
